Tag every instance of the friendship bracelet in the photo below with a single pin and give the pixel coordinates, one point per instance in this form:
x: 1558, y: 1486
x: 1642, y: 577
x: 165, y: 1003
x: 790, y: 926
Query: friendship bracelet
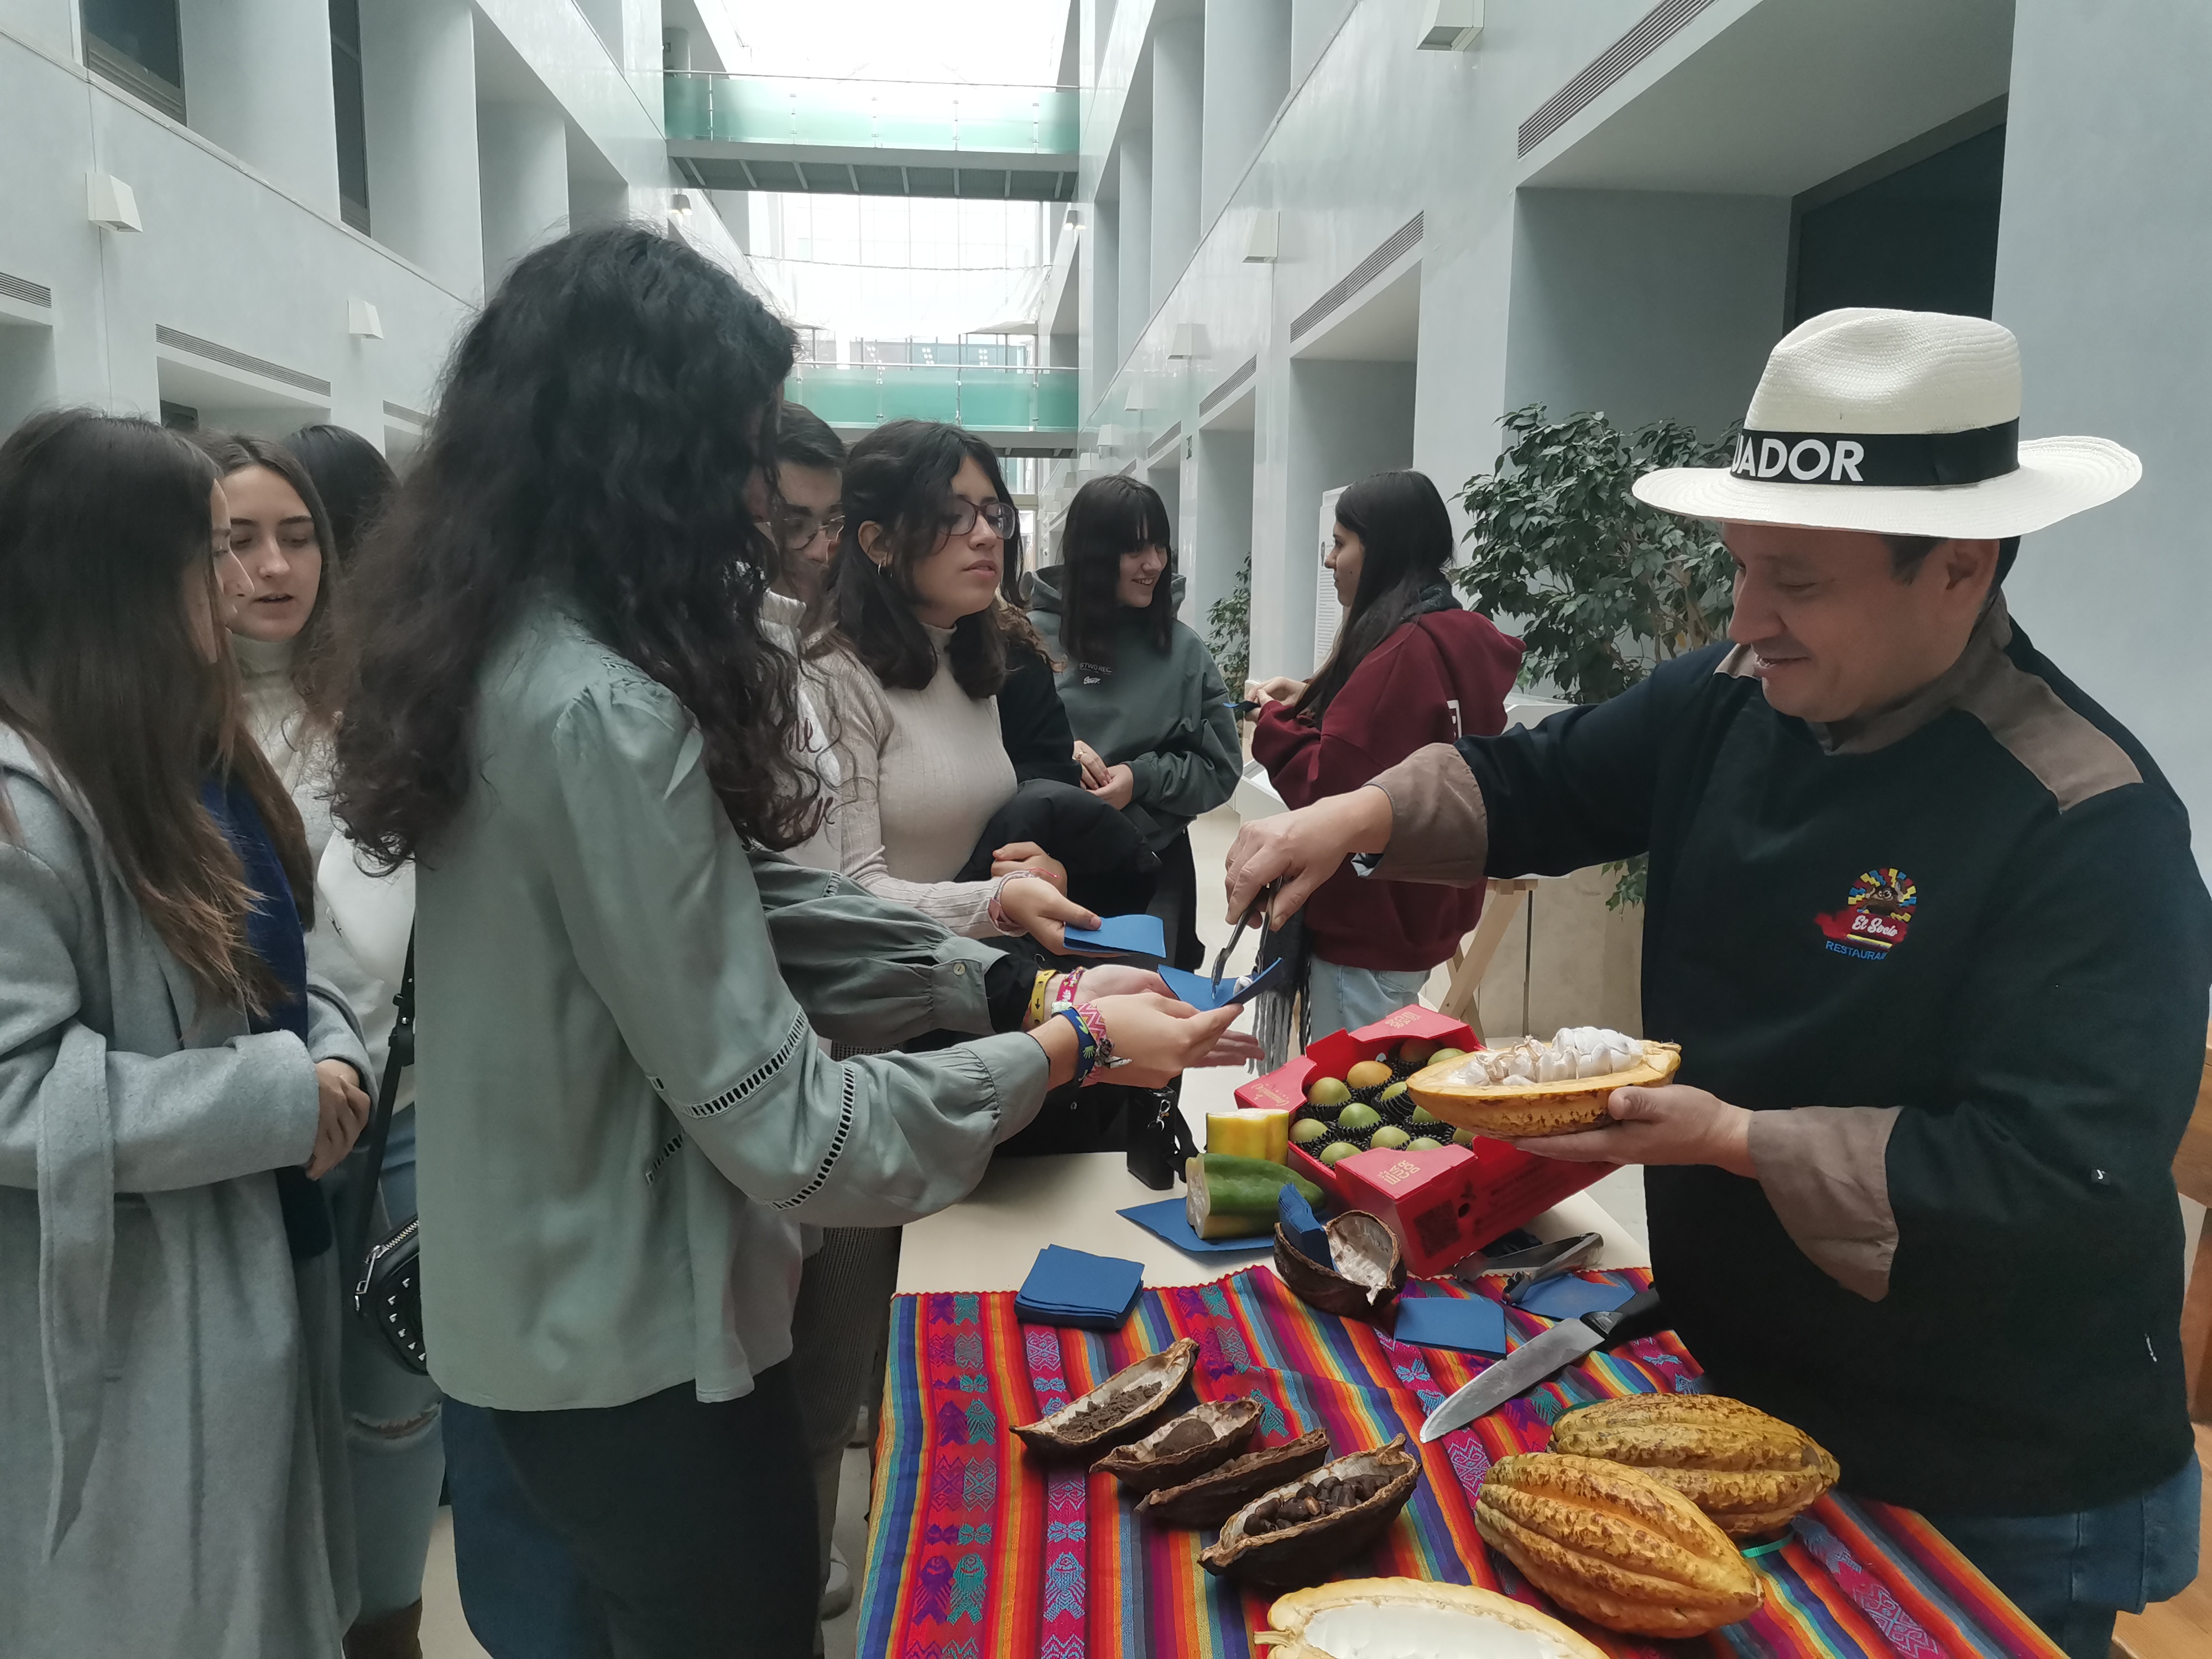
x: 1086, y: 1045
x: 998, y: 916
x: 1041, y: 1002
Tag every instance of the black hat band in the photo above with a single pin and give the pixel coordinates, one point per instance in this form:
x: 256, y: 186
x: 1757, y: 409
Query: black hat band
x: 1887, y: 460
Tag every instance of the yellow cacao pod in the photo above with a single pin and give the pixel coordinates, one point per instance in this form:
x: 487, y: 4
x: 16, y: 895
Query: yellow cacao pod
x: 1749, y: 1472
x: 1612, y: 1544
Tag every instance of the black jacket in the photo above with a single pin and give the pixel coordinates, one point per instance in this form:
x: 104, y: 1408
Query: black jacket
x: 1977, y: 926
x: 1032, y: 724
x: 1109, y: 869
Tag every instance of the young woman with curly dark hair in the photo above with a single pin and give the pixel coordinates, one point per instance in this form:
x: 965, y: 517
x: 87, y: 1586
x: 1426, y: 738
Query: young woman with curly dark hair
x: 567, y: 711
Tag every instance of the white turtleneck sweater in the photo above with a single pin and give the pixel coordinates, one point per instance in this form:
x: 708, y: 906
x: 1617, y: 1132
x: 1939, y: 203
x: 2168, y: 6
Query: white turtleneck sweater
x: 302, y: 755
x: 922, y: 772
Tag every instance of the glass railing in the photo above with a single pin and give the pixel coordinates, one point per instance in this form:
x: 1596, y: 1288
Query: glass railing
x: 931, y: 115
x: 984, y: 400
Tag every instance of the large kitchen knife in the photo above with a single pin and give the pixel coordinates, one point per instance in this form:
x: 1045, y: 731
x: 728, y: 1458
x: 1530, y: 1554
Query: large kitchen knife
x: 1538, y: 1358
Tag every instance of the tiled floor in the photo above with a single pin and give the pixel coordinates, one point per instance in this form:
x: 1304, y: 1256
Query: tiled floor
x: 446, y: 1635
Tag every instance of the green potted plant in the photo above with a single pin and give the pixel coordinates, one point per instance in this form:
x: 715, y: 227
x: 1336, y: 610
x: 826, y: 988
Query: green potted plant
x: 1600, y: 587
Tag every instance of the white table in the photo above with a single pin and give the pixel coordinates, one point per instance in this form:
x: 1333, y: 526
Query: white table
x: 990, y: 1239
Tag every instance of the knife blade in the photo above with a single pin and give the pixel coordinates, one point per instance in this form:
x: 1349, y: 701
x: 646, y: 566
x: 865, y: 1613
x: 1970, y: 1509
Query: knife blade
x: 1539, y: 1358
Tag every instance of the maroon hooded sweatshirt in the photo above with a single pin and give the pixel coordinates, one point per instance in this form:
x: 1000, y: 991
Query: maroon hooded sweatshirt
x: 1437, y: 677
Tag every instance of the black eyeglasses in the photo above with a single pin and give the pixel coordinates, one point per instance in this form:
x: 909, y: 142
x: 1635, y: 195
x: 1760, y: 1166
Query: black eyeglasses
x: 1001, y: 516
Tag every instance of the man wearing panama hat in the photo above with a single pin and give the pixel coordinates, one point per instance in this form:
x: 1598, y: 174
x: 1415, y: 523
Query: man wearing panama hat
x: 1925, y: 922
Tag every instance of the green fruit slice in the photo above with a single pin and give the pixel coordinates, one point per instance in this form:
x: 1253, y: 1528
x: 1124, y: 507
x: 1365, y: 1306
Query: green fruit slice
x: 1357, y: 1116
x: 1308, y: 1130
x: 1462, y: 1137
x: 1389, y: 1135
x: 1336, y: 1151
x: 1422, y: 1114
x: 1423, y: 1144
x: 1443, y: 1054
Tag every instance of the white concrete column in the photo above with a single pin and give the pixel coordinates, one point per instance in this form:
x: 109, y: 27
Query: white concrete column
x: 1099, y: 303
x: 1135, y: 287
x: 1247, y: 71
x: 522, y: 153
x: 1178, y: 87
x: 419, y: 82
x: 258, y: 82
x: 1217, y: 518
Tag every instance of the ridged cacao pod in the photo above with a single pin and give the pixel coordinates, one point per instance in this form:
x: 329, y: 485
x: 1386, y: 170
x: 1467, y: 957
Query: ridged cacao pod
x: 1612, y: 1544
x: 1749, y: 1472
x: 1412, y: 1615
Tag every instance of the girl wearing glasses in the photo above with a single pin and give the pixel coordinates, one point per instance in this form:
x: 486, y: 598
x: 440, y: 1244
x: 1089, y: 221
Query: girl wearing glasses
x: 919, y: 658
x: 810, y: 466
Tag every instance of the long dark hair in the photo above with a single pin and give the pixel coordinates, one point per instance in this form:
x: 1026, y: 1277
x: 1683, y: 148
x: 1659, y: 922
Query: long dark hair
x: 102, y: 521
x: 598, y: 430
x: 900, y: 477
x: 315, y: 652
x: 352, y: 476
x: 1109, y: 517
x: 1405, y: 537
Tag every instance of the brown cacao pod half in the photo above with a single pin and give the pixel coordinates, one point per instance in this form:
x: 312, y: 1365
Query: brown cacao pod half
x: 1612, y: 1544
x: 1124, y: 1405
x: 1519, y: 1110
x: 1369, y: 1270
x: 1213, y: 1496
x: 1300, y: 1534
x: 1748, y: 1472
x: 1362, y: 1616
x: 1201, y: 1438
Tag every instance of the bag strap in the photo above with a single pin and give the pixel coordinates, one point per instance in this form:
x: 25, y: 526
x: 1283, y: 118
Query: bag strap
x: 361, y: 1198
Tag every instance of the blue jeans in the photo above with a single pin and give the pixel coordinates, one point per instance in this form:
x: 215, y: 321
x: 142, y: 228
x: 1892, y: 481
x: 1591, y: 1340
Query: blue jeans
x: 393, y: 1452
x: 1340, y: 999
x: 522, y: 1593
x: 2073, y: 1574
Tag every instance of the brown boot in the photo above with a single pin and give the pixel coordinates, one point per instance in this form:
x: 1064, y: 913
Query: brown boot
x: 394, y: 1635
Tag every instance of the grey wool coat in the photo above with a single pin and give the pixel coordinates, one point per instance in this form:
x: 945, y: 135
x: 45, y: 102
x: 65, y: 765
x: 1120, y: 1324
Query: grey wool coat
x: 172, y: 1471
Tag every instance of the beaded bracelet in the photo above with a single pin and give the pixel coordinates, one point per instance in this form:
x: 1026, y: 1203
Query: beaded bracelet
x: 1094, y: 1049
x: 997, y: 915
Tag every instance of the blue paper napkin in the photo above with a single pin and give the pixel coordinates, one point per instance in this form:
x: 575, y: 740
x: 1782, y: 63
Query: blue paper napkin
x: 1169, y: 1219
x: 1470, y: 1324
x: 1120, y: 936
x: 1304, y: 1228
x: 1570, y: 1298
x: 1072, y: 1287
x: 1203, y: 993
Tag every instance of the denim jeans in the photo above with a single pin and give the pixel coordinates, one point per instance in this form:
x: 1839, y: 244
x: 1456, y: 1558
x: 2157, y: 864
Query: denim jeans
x: 522, y: 1592
x: 1340, y: 999
x: 393, y: 1451
x: 2073, y: 1574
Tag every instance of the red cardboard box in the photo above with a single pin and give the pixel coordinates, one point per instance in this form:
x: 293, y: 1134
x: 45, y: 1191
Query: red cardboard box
x: 1443, y: 1205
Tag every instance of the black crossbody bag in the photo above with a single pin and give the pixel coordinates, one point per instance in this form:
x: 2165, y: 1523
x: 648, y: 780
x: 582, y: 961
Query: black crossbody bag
x: 384, y: 1278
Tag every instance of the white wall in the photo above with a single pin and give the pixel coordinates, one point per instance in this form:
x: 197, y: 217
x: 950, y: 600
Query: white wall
x: 1178, y: 80
x: 1217, y: 519
x: 1248, y: 70
x: 523, y: 158
x: 2103, y: 247
x: 257, y: 80
x: 1644, y: 303
x: 419, y: 84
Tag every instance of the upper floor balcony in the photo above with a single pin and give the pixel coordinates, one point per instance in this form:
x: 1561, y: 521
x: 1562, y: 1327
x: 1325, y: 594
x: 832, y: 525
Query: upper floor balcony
x: 873, y: 138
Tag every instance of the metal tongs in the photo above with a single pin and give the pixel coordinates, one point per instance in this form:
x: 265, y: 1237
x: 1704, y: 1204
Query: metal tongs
x: 1526, y: 1269
x: 1258, y: 908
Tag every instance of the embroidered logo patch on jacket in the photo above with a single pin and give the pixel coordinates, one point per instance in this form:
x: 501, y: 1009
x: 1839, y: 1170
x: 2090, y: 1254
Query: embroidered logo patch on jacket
x: 1876, y: 914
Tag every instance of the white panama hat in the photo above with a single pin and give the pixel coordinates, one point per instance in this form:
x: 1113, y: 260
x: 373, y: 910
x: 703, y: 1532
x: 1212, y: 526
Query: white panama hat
x: 1898, y: 422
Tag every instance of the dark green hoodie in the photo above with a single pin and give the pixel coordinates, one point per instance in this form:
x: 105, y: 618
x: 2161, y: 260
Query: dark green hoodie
x: 1165, y: 715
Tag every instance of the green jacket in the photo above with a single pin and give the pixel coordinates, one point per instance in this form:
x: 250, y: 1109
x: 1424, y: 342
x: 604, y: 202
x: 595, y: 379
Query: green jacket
x: 624, y: 1112
x: 1165, y: 715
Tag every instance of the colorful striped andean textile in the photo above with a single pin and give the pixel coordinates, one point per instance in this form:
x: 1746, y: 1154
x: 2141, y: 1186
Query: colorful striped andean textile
x: 982, y: 1553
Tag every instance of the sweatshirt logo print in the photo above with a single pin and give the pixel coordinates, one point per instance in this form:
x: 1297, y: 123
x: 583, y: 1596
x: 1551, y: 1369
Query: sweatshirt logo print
x: 1876, y: 914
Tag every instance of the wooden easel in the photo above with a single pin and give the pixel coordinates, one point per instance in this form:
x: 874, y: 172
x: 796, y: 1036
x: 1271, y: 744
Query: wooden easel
x: 1504, y: 901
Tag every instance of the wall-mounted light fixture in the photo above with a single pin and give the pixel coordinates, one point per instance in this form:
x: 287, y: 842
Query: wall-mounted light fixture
x: 1139, y: 398
x: 108, y: 202
x: 362, y: 322
x: 1451, y: 25
x: 1264, y: 239
x: 1187, y: 340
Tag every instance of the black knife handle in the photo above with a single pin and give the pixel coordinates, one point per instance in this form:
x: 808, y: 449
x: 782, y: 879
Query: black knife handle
x: 1640, y: 1315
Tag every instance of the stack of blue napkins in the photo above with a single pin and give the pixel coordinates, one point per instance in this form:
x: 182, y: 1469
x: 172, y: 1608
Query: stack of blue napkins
x: 1471, y: 1324
x: 1071, y: 1287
